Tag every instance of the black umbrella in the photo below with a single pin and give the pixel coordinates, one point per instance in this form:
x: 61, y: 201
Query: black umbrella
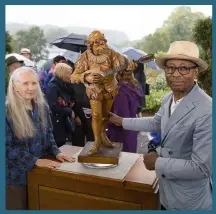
x: 73, y: 42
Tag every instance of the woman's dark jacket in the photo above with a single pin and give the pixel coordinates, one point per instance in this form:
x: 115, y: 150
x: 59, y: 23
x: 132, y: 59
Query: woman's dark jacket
x: 22, y: 154
x: 60, y: 96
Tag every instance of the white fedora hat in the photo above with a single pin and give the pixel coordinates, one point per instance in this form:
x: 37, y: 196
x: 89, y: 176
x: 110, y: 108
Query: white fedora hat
x: 182, y: 50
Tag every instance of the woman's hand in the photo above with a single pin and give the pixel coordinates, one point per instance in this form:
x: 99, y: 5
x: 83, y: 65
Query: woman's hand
x: 45, y: 163
x: 78, y: 121
x: 61, y: 157
x: 115, y: 119
x: 73, y: 115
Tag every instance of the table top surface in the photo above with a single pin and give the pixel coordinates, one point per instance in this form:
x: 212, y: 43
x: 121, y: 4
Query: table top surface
x: 137, y: 178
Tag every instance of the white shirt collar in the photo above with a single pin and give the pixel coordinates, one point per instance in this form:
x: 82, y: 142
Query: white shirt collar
x: 175, y: 104
x: 177, y: 101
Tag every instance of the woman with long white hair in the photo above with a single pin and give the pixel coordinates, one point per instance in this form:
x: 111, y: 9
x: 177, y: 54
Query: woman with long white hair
x: 29, y: 137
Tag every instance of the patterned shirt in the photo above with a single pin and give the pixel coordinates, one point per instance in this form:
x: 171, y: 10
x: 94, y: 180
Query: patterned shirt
x: 22, y: 154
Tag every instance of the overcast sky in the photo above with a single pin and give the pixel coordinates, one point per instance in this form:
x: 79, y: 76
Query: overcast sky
x: 136, y: 21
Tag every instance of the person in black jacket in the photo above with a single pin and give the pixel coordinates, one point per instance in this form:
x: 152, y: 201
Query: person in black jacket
x: 67, y: 125
x: 141, y: 78
x: 82, y: 102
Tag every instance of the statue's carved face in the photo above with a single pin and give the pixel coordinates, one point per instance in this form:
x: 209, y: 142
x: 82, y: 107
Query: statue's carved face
x: 99, y: 47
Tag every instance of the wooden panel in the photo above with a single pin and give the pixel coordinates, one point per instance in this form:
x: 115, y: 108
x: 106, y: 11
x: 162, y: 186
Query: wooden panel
x: 89, y: 188
x: 139, y: 188
x: 55, y: 199
x: 139, y: 178
x: 33, y: 193
x: 152, y: 202
x: 57, y: 174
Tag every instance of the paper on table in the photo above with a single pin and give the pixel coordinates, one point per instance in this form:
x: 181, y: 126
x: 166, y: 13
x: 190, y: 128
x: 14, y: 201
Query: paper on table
x: 126, y: 161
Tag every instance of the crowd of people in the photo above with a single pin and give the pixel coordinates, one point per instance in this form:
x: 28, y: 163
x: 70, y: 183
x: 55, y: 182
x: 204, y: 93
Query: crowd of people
x: 45, y: 110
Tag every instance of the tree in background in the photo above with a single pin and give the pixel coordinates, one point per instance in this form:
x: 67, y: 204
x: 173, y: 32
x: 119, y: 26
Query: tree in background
x: 54, y: 33
x: 33, y: 39
x: 178, y: 26
x: 202, y: 35
x: 8, y: 45
x: 181, y: 23
x: 8, y: 49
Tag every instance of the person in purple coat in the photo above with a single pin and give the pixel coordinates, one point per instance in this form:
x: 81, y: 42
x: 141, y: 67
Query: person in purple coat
x: 126, y: 104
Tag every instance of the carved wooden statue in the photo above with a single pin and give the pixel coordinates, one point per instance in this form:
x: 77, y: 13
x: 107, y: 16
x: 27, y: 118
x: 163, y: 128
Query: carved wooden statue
x: 96, y: 68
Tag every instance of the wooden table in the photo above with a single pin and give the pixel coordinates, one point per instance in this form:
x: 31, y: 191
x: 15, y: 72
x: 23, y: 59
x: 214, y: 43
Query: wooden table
x: 61, y: 190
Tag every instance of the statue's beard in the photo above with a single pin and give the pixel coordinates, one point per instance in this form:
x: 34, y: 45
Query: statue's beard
x: 100, y: 50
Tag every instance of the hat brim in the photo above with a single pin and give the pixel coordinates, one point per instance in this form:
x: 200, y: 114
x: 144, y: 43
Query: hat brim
x: 20, y: 61
x: 160, y: 61
x: 25, y: 53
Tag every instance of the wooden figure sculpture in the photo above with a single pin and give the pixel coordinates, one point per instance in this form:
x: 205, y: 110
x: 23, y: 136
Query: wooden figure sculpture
x: 96, y: 68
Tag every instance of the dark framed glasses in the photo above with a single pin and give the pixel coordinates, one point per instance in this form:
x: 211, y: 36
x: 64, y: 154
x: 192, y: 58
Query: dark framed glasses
x: 182, y: 70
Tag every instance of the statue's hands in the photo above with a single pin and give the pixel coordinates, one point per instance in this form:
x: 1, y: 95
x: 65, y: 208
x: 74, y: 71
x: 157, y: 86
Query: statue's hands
x: 94, y: 78
x: 89, y: 78
x: 131, y: 66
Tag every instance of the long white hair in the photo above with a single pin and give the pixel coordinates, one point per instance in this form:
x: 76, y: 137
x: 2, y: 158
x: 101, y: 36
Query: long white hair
x: 15, y: 106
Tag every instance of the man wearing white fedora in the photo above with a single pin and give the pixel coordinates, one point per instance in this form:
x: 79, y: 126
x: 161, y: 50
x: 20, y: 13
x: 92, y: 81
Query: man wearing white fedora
x: 184, y: 162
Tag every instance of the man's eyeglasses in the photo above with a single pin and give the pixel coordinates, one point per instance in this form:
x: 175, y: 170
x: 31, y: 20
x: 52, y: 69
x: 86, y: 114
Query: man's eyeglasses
x: 182, y: 70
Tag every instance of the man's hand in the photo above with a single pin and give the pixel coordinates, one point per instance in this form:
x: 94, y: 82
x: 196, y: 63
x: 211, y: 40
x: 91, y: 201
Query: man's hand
x: 61, y: 157
x: 115, y: 119
x: 150, y: 160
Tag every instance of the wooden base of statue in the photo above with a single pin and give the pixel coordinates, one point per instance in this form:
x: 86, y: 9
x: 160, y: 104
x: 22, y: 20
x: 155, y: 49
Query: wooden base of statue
x: 105, y: 155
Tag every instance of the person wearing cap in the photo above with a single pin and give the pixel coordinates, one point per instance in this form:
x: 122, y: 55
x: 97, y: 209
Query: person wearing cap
x: 184, y: 162
x: 13, y: 63
x: 26, y: 53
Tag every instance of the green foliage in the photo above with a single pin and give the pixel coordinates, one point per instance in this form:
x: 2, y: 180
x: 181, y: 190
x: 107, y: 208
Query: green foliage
x: 159, y: 54
x: 180, y: 23
x: 178, y: 26
x: 155, y: 42
x: 6, y: 78
x: 8, y: 49
x: 54, y: 33
x: 202, y: 35
x: 33, y: 39
x: 158, y: 89
x: 8, y: 45
x: 160, y: 83
x: 153, y: 101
